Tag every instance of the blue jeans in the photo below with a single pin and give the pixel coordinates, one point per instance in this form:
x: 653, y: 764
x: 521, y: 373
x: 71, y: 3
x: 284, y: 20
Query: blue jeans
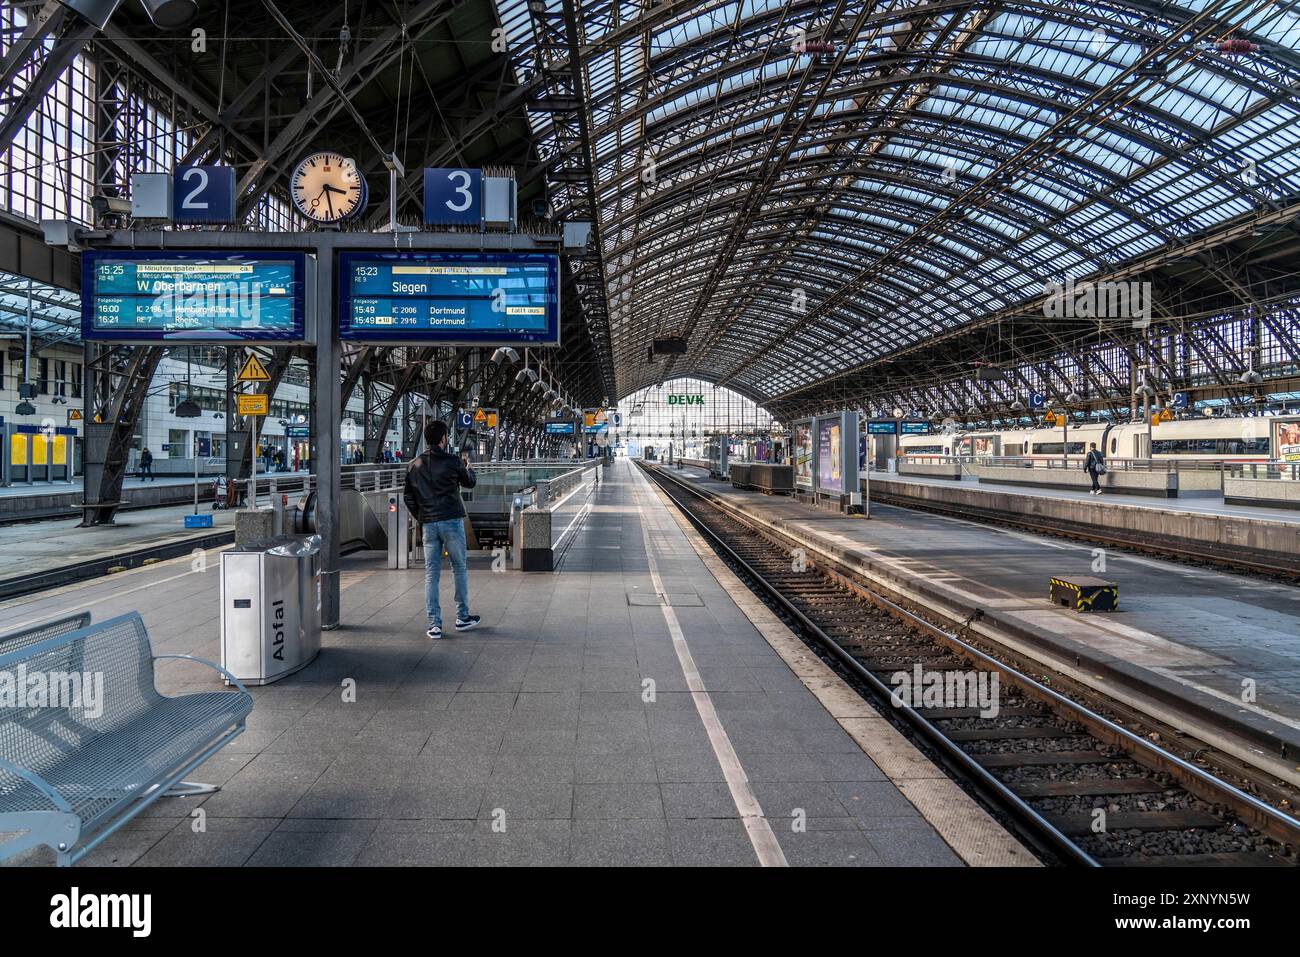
x: 450, y: 535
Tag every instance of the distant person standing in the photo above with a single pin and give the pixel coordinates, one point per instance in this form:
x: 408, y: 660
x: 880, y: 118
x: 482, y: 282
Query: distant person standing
x: 432, y: 493
x: 146, y: 465
x: 1095, y: 466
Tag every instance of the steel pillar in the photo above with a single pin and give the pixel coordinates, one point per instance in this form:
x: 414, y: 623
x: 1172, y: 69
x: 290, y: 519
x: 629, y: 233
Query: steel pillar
x: 327, y: 392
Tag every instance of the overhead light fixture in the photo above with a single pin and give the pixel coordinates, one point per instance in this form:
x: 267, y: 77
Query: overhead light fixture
x: 187, y: 409
x: 505, y: 354
x: 170, y: 14
x: 524, y: 376
x: 25, y: 408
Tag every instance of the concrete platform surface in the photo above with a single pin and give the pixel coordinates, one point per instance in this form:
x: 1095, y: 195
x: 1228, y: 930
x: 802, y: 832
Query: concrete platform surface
x: 1194, y: 503
x: 563, y: 731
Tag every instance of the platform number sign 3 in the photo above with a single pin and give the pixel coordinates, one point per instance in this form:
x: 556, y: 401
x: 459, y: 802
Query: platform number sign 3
x: 453, y: 197
x: 203, y: 194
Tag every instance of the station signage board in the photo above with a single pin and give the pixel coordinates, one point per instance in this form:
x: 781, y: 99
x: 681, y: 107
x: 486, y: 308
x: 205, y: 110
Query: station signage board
x: 193, y: 296
x: 466, y: 298
x: 887, y: 427
x: 203, y: 194
x: 559, y: 428
x: 253, y: 403
x: 914, y: 428
x: 453, y: 197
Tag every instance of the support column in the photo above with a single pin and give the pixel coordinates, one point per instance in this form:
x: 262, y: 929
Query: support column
x: 325, y: 423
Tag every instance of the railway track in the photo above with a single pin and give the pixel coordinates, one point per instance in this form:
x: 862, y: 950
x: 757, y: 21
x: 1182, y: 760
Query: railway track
x: 1078, y: 786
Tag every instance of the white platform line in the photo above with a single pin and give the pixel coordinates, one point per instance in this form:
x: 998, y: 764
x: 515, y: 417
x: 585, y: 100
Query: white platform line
x: 742, y: 795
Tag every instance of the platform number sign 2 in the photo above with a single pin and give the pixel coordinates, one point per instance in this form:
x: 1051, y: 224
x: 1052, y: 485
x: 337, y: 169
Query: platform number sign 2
x: 453, y: 197
x: 203, y: 194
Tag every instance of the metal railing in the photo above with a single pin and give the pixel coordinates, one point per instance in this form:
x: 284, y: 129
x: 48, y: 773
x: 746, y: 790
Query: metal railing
x: 1265, y: 471
x: 1075, y: 461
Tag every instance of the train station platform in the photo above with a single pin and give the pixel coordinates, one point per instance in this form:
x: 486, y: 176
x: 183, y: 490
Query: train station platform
x: 1192, y: 503
x: 47, y: 554
x: 1190, y: 645
x: 635, y: 706
x: 1201, y: 528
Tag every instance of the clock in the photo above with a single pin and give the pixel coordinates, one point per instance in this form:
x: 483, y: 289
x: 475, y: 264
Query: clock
x: 328, y: 188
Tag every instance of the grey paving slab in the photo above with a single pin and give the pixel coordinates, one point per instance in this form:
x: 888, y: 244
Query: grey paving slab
x: 622, y: 843
x: 617, y: 801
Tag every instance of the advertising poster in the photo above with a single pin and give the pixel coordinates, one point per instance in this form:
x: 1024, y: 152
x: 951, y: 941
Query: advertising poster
x: 802, y: 454
x: 1287, y: 441
x: 830, y: 454
x: 980, y: 446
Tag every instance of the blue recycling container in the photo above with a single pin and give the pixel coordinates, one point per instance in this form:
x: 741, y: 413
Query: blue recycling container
x: 198, y: 521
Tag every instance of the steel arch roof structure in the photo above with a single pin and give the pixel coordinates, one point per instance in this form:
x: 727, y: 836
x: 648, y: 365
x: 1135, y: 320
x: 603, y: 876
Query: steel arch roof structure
x: 807, y: 190
x: 833, y: 201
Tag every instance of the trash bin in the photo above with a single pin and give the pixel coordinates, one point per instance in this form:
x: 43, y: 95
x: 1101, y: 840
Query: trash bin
x: 270, y: 607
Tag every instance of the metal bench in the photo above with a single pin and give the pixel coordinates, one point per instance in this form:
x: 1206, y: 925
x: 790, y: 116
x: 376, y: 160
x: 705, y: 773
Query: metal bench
x: 43, y: 632
x: 75, y: 769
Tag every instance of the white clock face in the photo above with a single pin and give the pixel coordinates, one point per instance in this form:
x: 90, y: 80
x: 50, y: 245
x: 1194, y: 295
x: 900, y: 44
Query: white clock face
x: 327, y: 188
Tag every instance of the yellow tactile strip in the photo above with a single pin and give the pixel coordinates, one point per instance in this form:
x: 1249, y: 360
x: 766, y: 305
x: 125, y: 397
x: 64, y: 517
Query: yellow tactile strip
x: 966, y: 827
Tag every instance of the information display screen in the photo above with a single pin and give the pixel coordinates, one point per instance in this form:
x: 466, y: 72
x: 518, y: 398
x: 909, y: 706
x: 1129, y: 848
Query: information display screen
x: 476, y: 298
x: 192, y: 296
x: 559, y: 428
x: 882, y: 428
x: 915, y: 428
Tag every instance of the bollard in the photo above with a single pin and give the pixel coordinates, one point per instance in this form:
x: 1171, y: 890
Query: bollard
x: 399, y: 526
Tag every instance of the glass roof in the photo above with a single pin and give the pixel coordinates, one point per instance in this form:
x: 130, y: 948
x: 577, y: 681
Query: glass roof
x: 56, y: 313
x: 798, y: 212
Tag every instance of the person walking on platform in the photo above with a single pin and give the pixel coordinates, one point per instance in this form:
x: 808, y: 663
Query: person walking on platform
x: 1095, y: 465
x: 432, y: 493
x: 146, y: 465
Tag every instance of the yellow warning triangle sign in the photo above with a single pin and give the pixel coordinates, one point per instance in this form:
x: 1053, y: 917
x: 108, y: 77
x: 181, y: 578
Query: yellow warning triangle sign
x: 253, y: 370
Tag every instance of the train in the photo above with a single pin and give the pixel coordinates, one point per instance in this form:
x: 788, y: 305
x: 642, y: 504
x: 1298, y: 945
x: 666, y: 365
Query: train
x: 1248, y: 439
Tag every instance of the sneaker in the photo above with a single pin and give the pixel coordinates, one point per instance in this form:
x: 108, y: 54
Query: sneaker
x: 435, y: 631
x: 465, y: 624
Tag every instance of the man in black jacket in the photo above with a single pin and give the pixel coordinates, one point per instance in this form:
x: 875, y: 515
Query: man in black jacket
x: 1094, y: 465
x: 432, y: 493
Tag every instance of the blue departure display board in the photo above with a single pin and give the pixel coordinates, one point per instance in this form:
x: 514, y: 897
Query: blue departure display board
x: 559, y: 428
x: 480, y: 298
x: 192, y: 296
x: 915, y: 428
x: 888, y: 427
